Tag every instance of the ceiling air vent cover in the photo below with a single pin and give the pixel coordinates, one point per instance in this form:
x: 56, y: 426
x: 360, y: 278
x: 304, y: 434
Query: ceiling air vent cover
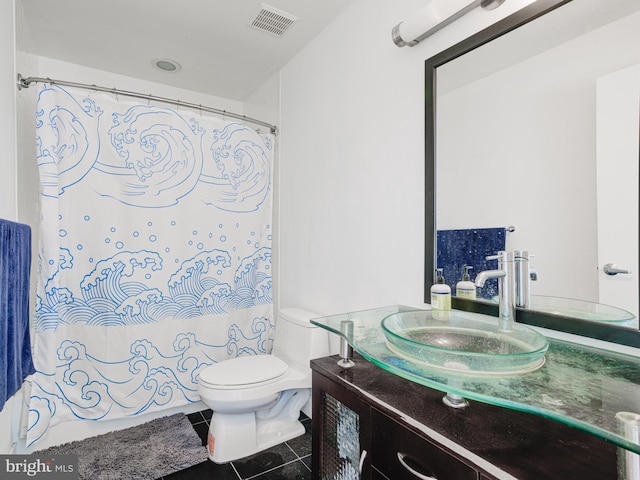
x: 271, y: 20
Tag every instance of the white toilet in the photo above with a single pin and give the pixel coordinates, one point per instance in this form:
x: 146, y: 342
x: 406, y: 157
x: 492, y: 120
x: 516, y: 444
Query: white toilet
x: 256, y: 400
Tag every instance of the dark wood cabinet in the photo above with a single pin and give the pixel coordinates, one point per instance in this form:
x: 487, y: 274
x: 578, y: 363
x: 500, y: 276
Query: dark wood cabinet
x: 403, y: 431
x: 354, y: 440
x: 400, y: 453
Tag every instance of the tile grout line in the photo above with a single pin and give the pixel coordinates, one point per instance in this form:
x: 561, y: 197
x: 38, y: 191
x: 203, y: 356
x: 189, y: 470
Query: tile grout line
x: 235, y: 470
x: 294, y: 452
x: 273, y: 468
x: 304, y: 463
x: 298, y: 456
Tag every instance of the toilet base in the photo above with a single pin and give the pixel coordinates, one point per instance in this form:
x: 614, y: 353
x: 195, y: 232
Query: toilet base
x: 238, y: 435
x: 238, y: 446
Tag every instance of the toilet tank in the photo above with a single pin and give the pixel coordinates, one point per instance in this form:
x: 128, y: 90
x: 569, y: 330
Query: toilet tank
x: 296, y: 340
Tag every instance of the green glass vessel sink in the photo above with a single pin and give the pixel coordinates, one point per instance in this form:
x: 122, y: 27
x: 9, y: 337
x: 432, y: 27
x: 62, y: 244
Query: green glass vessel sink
x: 595, y: 312
x: 463, y: 344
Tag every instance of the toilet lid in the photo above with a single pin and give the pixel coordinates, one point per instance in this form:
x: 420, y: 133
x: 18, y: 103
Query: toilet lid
x: 244, y: 370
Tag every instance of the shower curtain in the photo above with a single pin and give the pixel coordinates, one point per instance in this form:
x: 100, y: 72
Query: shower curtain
x: 155, y: 254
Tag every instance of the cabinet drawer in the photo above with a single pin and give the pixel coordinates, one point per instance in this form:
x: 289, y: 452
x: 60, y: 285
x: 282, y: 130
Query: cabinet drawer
x: 401, y: 454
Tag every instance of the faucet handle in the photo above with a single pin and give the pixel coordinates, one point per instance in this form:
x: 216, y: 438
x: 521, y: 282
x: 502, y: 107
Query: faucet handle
x: 503, y: 255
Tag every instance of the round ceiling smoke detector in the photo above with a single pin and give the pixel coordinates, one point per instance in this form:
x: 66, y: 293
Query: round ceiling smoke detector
x: 166, y: 65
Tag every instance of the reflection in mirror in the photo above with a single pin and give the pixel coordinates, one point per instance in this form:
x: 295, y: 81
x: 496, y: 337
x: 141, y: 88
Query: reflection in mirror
x: 539, y: 129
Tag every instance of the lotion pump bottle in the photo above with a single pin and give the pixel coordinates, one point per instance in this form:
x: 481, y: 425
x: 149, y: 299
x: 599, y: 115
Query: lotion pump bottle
x: 440, y: 294
x: 465, y: 288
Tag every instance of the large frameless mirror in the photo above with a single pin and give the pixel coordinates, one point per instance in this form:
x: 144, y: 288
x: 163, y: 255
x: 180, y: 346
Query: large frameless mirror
x: 532, y: 138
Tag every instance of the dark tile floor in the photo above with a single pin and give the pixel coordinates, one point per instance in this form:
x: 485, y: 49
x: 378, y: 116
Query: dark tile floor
x: 288, y: 461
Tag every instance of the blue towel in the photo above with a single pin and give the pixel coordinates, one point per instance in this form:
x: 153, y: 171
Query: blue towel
x: 457, y: 248
x: 15, y: 346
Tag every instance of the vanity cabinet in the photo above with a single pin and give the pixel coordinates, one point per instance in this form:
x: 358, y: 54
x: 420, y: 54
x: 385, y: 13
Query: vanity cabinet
x: 398, y: 430
x: 400, y: 453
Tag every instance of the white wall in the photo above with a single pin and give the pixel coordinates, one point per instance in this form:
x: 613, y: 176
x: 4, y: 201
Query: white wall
x: 352, y: 160
x: 264, y: 103
x: 8, y: 179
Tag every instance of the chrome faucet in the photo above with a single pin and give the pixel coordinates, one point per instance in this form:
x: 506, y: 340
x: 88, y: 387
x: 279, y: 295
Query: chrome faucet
x: 506, y: 288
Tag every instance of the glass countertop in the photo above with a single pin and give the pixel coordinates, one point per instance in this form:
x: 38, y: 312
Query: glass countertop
x: 581, y: 386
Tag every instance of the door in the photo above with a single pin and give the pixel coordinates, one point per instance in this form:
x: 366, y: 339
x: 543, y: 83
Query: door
x: 618, y: 153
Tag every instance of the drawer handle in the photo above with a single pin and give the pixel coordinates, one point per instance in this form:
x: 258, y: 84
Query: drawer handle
x: 363, y: 455
x: 401, y: 459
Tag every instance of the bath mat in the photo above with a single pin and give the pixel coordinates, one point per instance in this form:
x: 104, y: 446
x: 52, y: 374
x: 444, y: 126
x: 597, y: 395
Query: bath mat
x: 148, y: 451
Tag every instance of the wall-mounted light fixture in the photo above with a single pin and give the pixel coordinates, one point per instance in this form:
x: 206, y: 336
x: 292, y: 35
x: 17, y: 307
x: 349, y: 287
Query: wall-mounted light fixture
x: 437, y: 14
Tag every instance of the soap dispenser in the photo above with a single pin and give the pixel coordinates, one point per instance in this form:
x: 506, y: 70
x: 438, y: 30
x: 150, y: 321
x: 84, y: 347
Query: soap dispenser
x: 440, y: 293
x: 465, y: 288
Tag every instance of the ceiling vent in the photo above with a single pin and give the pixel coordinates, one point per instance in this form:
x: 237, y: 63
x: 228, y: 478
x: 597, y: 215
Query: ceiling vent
x: 271, y: 20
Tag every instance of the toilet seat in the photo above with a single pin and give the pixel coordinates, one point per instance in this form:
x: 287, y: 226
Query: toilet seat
x: 243, y: 372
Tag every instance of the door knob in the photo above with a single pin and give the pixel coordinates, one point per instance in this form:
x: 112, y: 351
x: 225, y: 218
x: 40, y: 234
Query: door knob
x: 613, y: 269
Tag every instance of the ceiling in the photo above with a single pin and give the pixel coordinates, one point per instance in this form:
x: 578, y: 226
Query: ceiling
x: 219, y: 52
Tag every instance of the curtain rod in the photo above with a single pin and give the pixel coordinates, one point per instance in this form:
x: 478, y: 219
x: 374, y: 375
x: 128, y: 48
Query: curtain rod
x: 24, y: 82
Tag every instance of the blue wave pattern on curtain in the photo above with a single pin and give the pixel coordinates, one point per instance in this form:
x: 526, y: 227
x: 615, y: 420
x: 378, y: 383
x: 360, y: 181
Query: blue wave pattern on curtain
x: 154, y: 259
